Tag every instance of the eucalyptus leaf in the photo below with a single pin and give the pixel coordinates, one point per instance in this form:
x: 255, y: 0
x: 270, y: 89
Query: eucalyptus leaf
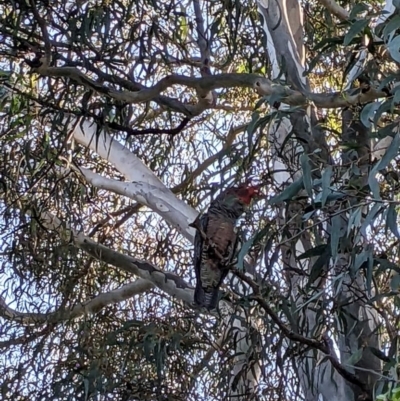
x: 326, y: 182
x: 244, y: 250
x: 391, y: 27
x: 311, y: 299
x: 394, y: 48
x: 307, y: 180
x: 316, y: 251
x: 288, y: 193
x: 251, y: 128
x: 385, y: 106
x: 390, y: 154
x: 391, y: 220
x: 359, y: 260
x: 385, y: 265
x: 336, y: 196
x: 370, y: 217
x: 357, y: 9
x: 308, y: 215
x: 354, y: 219
x: 335, y: 234
x: 320, y: 266
x: 286, y: 310
x: 395, y: 99
x: 356, y: 28
x: 86, y: 386
x: 253, y: 123
x: 355, y: 357
x: 370, y: 270
x: 374, y: 185
x: 368, y: 112
x: 395, y: 282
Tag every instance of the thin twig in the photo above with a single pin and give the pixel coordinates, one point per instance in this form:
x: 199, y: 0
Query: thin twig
x: 46, y: 38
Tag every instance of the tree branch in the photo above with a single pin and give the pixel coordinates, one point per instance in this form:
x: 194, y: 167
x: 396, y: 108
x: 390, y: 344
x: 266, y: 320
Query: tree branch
x: 170, y: 283
x: 335, y: 9
x: 92, y: 306
x: 145, y: 187
x: 322, y: 345
x: 262, y: 85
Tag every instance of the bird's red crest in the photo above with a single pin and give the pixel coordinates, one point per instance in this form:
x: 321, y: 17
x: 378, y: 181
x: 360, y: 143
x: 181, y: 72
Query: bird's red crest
x: 246, y: 193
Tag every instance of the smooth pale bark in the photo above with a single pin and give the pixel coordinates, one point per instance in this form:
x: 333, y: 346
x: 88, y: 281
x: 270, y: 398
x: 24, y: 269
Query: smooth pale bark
x: 281, y: 23
x: 118, y: 295
x: 149, y: 277
x: 144, y: 186
x: 147, y: 189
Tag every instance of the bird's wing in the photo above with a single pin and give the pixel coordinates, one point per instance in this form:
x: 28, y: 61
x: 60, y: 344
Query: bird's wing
x: 209, y: 268
x: 222, y: 233
x: 198, y: 256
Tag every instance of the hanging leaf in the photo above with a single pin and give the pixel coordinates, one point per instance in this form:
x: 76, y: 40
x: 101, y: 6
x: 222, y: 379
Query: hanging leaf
x: 326, y: 182
x: 394, y: 48
x: 308, y: 215
x: 368, y: 112
x: 370, y: 217
x: 251, y: 128
x: 390, y: 154
x: 358, y: 9
x: 355, y: 357
x: 335, y: 234
x: 361, y: 258
x: 385, y: 265
x: 244, y: 250
x: 260, y: 102
x: 390, y: 28
x: 253, y: 123
x: 374, y: 185
x: 395, y: 282
x: 336, y: 196
x: 288, y: 193
x: 307, y: 180
x: 86, y: 386
x: 354, y: 219
x: 391, y: 220
x: 383, y: 108
x: 370, y: 270
x: 275, y: 98
x: 395, y: 99
x: 286, y: 310
x: 320, y: 266
x: 316, y: 251
x: 355, y: 29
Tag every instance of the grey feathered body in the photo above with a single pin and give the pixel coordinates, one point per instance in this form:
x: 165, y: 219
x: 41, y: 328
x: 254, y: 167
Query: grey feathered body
x: 219, y: 226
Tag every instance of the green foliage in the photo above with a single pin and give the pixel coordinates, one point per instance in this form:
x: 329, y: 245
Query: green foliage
x: 393, y: 395
x: 330, y: 224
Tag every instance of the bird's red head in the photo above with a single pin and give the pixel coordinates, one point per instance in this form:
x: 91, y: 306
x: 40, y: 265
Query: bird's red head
x: 246, y: 192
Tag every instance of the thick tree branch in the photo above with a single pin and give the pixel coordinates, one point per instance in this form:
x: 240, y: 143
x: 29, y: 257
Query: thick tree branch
x: 201, y: 36
x: 167, y: 282
x: 146, y: 188
x: 262, y: 85
x: 149, y: 275
x: 92, y: 306
x: 132, y: 209
x: 335, y: 9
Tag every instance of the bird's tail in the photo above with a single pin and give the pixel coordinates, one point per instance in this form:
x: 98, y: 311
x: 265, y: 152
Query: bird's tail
x: 206, y: 299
